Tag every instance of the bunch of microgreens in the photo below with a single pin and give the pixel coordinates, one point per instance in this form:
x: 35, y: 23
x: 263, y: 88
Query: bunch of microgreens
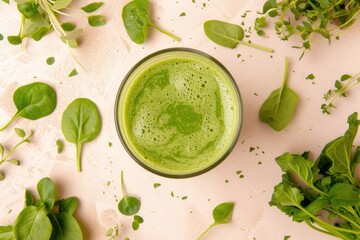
x: 6, y: 157
x: 40, y: 17
x: 342, y: 87
x: 308, y: 18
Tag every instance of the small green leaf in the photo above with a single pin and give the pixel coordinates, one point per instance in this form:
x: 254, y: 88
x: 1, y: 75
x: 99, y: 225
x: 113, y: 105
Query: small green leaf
x: 92, y: 7
x: 222, y: 213
x: 46, y: 190
x: 310, y: 77
x: 183, y: 14
x: 96, y: 20
x: 29, y: 199
x: 343, y: 195
x: 68, y: 205
x: 60, y: 4
x: 50, y: 60
x: 73, y: 73
x: 6, y: 233
x: 20, y: 132
x: 68, y: 26
x: 13, y: 161
x: 129, y: 205
x: 135, y: 225
x: 1, y: 37
x: 14, y: 40
x: 345, y: 77
x: 28, y: 9
x: 59, y: 145
x: 138, y: 219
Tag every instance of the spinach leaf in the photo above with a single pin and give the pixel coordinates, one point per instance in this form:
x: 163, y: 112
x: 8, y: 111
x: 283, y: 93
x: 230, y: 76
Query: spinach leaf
x: 278, y: 109
x: 81, y: 123
x: 29, y: 199
x: 128, y: 205
x: 32, y: 223
x: 344, y: 194
x: 6, y: 233
x: 136, y: 20
x: 46, y: 190
x: 228, y: 35
x: 65, y: 227
x: 68, y: 205
x: 222, y: 214
x: 33, y: 101
x: 92, y: 7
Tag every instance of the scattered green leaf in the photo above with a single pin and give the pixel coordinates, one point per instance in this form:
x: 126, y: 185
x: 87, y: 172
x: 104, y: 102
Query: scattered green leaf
x: 50, y: 60
x: 222, y: 214
x: 68, y: 26
x: 136, y: 20
x: 92, y: 7
x: 59, y: 145
x: 73, y: 73
x: 228, y: 35
x: 128, y: 205
x: 81, y: 123
x: 96, y: 20
x: 33, y: 101
x: 278, y: 109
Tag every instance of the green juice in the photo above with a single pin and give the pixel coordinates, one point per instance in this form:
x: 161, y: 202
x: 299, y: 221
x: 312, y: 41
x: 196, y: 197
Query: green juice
x: 179, y: 113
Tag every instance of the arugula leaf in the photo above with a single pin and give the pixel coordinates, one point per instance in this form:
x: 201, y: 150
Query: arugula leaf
x: 278, y: 109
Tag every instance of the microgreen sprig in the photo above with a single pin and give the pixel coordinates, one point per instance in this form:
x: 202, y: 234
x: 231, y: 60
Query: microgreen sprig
x: 308, y: 19
x: 341, y: 88
x: 6, y: 157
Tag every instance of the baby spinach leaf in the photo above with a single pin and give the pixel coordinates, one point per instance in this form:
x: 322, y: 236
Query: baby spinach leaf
x: 96, y: 20
x: 28, y: 9
x: 222, y: 214
x: 278, y: 109
x: 136, y: 20
x: 81, y: 123
x: 65, y: 227
x: 92, y: 7
x: 128, y: 205
x: 46, y: 190
x: 6, y: 232
x: 68, y: 205
x: 228, y: 35
x: 32, y: 223
x: 33, y: 101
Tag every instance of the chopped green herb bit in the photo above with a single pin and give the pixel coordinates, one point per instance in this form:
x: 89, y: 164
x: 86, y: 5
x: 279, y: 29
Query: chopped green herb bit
x: 96, y: 20
x: 172, y: 193
x: 310, y: 77
x: 184, y: 198
x: 109, y: 144
x: 107, y: 183
x: 92, y: 7
x: 50, y: 60
x: 286, y: 237
x: 182, y: 14
x: 1, y: 37
x: 59, y: 145
x: 156, y: 185
x: 73, y: 73
x: 251, y: 149
x: 68, y: 26
x: 226, y: 181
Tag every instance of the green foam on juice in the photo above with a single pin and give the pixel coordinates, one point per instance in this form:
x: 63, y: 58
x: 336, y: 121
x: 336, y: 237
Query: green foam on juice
x: 180, y: 113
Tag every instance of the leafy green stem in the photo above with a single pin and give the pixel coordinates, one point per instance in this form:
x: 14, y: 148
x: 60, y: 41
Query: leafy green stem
x: 16, y: 146
x: 206, y: 230
x: 10, y: 121
x: 256, y: 46
x: 176, y: 38
x: 78, y: 156
x: 350, y: 220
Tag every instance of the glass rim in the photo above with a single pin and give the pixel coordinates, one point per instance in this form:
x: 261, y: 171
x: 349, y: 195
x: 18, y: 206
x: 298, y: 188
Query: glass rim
x: 238, y: 101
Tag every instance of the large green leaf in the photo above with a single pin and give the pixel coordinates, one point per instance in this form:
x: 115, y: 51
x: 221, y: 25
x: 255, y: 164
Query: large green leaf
x: 65, y: 227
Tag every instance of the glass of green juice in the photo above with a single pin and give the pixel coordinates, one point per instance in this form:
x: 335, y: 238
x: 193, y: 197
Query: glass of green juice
x: 178, y: 112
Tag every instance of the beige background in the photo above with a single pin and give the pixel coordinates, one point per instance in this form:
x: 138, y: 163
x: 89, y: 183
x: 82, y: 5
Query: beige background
x: 107, y: 54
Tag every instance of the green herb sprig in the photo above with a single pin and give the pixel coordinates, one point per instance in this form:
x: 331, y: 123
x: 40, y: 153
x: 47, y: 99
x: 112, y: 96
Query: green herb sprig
x: 341, y: 88
x: 328, y: 185
x: 128, y: 205
x: 308, y: 19
x: 45, y: 218
x: 222, y: 214
x: 5, y: 157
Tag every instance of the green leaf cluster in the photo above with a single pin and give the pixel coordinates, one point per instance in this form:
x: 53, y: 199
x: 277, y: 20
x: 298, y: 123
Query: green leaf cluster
x: 341, y: 89
x: 307, y: 18
x: 45, y: 218
x: 136, y: 18
x: 325, y: 187
x: 6, y: 157
x: 40, y: 17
